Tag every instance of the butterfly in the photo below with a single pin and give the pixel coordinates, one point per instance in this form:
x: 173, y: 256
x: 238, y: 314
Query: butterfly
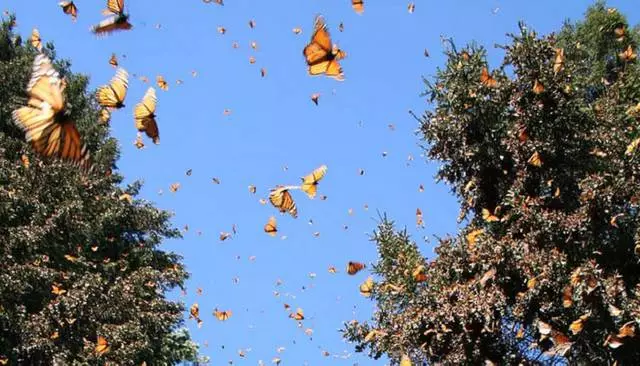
x: 112, y: 95
x: 419, y: 219
x: 162, y: 83
x: 322, y: 57
x: 486, y: 79
x: 57, y: 290
x: 45, y: 121
x: 315, y: 97
x: 119, y: 20
x: 310, y: 182
x: 366, y: 287
x: 358, y: 6
x: 252, y: 24
x: 411, y: 8
x: 102, y: 346
x: 298, y: 315
x: 628, y: 54
x: 145, y: 118
x: 354, y: 267
x: 69, y: 8
x: 538, y: 87
x: 559, y: 60
x: 281, y: 199
x: 270, y: 227
x: 405, y: 361
x: 113, y: 61
x: 535, y: 160
x: 35, y: 40
x: 488, y: 216
x: 223, y: 315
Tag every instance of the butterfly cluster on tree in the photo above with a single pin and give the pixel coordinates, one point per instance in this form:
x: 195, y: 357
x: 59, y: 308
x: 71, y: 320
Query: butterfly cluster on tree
x: 542, y: 153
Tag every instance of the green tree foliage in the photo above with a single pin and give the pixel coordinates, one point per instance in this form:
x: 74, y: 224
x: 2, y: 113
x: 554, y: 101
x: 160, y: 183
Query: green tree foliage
x: 544, y: 162
x: 80, y: 256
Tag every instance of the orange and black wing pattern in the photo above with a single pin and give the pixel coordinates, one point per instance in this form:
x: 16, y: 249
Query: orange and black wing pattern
x: 44, y: 119
x: 118, y: 21
x: 321, y: 55
x: 281, y: 199
x: 144, y: 116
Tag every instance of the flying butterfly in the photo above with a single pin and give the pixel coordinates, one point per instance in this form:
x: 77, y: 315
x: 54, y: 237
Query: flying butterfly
x: 321, y: 55
x: 45, y: 121
x: 310, y: 182
x: 69, y: 8
x: 271, y: 226
x: 35, y: 39
x: 281, y: 199
x: 145, y: 118
x: 366, y: 288
x: 113, y: 61
x: 112, y: 95
x: 354, y: 267
x: 162, y: 83
x: 223, y: 315
x: 298, y: 315
x: 118, y: 20
x: 358, y: 6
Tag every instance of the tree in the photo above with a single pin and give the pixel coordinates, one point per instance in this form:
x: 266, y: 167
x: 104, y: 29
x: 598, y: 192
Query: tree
x: 543, y: 155
x: 82, y: 280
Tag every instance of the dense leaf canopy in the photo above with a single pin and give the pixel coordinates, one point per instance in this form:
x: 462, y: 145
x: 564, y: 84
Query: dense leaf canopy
x: 542, y: 154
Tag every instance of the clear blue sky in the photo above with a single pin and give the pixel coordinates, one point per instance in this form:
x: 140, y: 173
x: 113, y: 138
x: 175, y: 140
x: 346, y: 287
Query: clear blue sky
x: 274, y: 124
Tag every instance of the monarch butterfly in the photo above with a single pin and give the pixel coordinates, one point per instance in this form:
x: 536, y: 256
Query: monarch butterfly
x: 298, y: 315
x: 112, y: 95
x: 138, y: 143
x: 174, y: 187
x: 194, y: 311
x: 113, y: 61
x: 45, y: 121
x: 486, y: 79
x: 297, y: 30
x: 366, y: 287
x: 223, y: 315
x: 488, y: 216
x: 102, y: 346
x: 559, y: 61
x: 418, y: 274
x: 315, y: 97
x: 473, y: 235
x: 358, y: 6
x: 538, y: 87
x: 25, y: 161
x: 162, y: 83
x: 57, y: 289
x: 145, y: 118
x: 35, y: 40
x: 222, y: 30
x: 119, y: 20
x: 628, y: 54
x: 69, y: 8
x: 332, y: 269
x: 252, y: 24
x: 322, y: 57
x: 270, y: 227
x: 354, y: 267
x: 419, y: 219
x: 310, y: 182
x: 281, y: 199
x: 535, y: 160
x: 411, y: 8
